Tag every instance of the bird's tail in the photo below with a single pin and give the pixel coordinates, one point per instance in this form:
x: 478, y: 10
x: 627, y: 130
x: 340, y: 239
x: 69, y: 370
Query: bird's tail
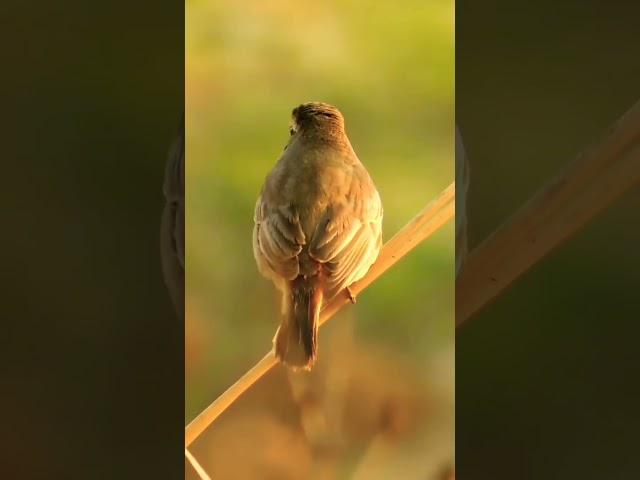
x: 296, y: 339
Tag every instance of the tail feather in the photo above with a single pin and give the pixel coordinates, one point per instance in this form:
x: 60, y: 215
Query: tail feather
x: 297, y: 338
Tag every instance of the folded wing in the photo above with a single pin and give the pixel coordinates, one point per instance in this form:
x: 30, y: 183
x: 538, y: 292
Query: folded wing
x: 348, y: 241
x: 278, y: 239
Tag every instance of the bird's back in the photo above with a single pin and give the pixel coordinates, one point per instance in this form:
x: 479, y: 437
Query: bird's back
x: 316, y: 181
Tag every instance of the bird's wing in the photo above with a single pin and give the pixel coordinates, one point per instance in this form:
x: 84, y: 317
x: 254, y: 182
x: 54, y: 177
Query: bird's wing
x: 347, y: 241
x: 278, y: 239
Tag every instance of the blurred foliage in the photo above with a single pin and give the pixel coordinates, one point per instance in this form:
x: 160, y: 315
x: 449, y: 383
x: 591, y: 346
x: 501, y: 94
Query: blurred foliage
x: 389, y: 68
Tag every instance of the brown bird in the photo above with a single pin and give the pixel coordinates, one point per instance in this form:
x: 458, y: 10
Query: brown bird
x: 462, y: 189
x: 172, y: 223
x: 318, y: 226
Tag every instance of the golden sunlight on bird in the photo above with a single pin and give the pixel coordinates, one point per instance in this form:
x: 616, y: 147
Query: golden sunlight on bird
x: 318, y: 226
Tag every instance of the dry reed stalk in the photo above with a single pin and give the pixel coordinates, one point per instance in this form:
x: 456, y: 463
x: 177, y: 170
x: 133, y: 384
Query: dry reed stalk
x: 196, y: 466
x: 588, y: 185
x: 423, y: 225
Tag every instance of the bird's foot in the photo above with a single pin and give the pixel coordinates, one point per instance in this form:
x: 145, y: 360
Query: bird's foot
x: 350, y: 295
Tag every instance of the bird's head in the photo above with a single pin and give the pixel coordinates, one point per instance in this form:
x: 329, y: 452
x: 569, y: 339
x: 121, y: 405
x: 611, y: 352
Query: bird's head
x: 317, y: 117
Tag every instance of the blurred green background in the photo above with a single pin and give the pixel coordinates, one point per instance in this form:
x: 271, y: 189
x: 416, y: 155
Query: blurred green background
x: 390, y: 69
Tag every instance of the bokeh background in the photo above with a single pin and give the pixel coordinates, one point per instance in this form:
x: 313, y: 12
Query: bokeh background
x: 379, y: 404
x: 546, y: 376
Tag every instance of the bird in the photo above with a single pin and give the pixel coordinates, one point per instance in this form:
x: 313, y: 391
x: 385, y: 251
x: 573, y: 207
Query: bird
x: 172, y: 245
x: 317, y: 226
x: 462, y: 189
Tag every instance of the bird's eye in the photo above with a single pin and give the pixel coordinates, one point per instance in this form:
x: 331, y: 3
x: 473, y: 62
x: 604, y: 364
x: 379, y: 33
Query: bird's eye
x: 291, y: 131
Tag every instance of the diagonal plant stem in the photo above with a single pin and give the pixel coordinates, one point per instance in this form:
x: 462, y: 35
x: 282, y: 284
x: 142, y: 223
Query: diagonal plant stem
x: 587, y: 186
x: 196, y: 466
x: 423, y: 225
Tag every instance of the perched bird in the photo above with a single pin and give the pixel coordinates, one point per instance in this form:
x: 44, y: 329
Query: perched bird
x: 318, y: 226
x: 462, y: 188
x: 172, y: 224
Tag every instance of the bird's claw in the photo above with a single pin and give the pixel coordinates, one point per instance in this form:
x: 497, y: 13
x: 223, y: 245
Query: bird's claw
x: 350, y: 295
